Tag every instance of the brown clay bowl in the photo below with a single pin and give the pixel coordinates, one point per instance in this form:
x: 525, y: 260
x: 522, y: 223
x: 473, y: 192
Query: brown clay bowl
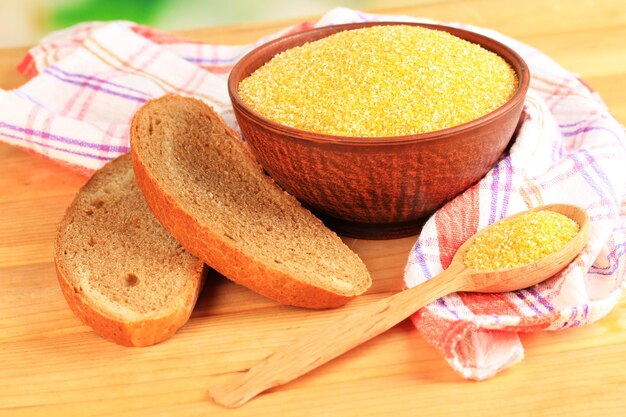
x: 377, y: 187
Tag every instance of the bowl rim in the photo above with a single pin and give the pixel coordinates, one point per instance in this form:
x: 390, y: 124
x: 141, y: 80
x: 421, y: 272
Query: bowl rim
x: 523, y: 76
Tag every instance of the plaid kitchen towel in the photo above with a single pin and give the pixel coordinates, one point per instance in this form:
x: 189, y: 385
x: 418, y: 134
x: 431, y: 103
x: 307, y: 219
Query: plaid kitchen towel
x: 88, y: 81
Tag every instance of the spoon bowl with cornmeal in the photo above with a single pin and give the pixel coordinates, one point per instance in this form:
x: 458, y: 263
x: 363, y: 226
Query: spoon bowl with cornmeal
x: 515, y: 253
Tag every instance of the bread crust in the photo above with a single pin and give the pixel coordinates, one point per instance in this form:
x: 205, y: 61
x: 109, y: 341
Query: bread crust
x: 137, y: 333
x: 213, y: 249
x: 127, y: 333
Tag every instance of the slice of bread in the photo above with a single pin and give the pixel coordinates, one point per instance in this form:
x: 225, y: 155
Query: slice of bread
x: 203, y: 184
x: 120, y: 271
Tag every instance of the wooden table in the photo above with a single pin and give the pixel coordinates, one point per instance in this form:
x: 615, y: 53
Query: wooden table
x: 51, y: 364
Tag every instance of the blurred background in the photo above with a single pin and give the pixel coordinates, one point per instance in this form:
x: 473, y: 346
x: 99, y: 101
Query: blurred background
x: 24, y: 22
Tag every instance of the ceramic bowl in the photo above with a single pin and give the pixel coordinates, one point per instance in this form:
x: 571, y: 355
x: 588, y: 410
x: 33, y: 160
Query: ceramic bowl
x: 383, y: 187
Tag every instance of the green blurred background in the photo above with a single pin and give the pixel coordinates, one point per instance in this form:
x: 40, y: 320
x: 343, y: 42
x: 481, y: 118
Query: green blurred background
x: 23, y: 22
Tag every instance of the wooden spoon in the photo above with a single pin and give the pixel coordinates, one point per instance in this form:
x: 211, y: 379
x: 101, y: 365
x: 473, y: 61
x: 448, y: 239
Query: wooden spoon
x: 328, y: 342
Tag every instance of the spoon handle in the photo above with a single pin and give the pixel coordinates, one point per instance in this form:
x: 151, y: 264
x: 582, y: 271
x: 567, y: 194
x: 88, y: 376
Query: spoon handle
x: 328, y: 342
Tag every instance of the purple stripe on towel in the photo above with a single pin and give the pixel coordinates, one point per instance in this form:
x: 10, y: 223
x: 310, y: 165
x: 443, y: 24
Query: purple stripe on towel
x: 494, y: 197
x: 421, y: 260
x: 566, y: 125
x: 613, y: 257
x: 589, y: 129
x: 527, y: 301
x: 540, y: 298
x: 64, y: 139
x: 215, y: 60
x: 95, y: 87
x: 47, y: 145
x: 581, y: 168
x: 100, y: 80
x: 443, y: 304
x: 601, y: 174
x: 508, y: 185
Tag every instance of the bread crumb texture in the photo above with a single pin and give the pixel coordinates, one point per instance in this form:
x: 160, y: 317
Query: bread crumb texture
x: 115, y: 253
x: 210, y: 172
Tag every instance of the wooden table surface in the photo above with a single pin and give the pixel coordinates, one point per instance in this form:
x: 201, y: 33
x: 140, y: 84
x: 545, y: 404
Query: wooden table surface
x: 51, y: 364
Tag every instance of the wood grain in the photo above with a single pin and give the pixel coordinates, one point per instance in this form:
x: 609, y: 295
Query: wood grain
x: 53, y: 365
x: 326, y: 343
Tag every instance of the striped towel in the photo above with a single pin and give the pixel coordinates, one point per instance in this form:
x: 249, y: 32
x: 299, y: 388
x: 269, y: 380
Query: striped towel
x: 88, y: 81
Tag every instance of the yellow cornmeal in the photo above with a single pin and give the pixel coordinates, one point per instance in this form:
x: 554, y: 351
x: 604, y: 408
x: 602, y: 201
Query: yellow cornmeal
x: 380, y: 81
x: 520, y: 240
